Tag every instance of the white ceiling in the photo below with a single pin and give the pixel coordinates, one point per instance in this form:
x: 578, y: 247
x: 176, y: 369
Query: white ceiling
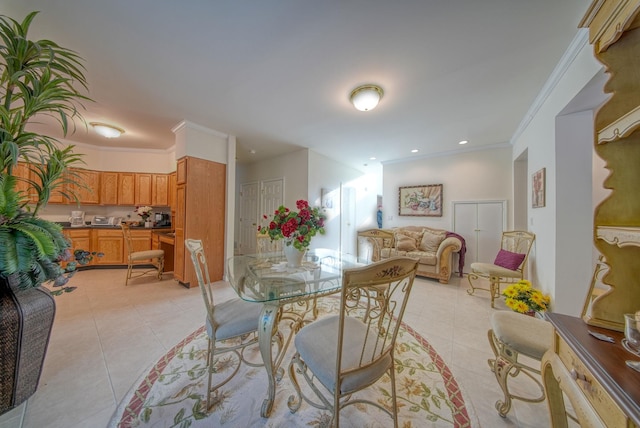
x: 277, y: 74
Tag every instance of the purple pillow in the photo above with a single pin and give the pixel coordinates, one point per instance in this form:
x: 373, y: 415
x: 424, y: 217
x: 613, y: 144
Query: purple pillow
x: 509, y: 260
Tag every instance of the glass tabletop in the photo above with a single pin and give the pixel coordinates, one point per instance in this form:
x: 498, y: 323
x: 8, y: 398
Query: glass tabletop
x: 266, y: 277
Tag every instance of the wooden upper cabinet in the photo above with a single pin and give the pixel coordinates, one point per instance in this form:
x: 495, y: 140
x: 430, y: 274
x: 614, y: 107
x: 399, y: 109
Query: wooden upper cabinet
x: 143, y: 189
x: 172, y: 190
x: 126, y: 188
x: 22, y: 172
x: 160, y: 190
x: 89, y: 194
x: 109, y: 188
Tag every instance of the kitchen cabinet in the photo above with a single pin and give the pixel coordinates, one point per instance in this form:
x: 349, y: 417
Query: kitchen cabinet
x: 143, y: 189
x: 108, y: 188
x: 89, y: 194
x: 140, y: 241
x: 111, y: 243
x: 200, y: 214
x: 126, y: 188
x: 22, y: 172
x: 172, y: 191
x: 160, y: 190
x: 80, y: 240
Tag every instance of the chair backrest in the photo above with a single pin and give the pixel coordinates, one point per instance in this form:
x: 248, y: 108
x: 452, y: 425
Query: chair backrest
x: 264, y: 244
x: 195, y: 248
x: 376, y: 295
x: 126, y: 231
x: 518, y: 241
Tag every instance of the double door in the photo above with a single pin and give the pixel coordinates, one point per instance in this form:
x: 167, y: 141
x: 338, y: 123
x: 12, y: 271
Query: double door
x: 481, y: 224
x: 256, y: 200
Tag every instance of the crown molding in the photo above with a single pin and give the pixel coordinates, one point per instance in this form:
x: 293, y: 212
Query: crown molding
x: 579, y: 41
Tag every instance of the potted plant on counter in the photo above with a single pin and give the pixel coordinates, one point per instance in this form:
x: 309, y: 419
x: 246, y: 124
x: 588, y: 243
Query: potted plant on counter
x: 37, y: 79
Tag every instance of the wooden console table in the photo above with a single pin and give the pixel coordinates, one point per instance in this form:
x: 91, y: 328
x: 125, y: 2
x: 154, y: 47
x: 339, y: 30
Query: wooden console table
x: 598, y: 370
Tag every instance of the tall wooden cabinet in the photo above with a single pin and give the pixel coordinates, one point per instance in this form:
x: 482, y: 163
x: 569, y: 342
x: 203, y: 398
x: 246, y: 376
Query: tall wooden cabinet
x: 200, y: 214
x: 614, y: 30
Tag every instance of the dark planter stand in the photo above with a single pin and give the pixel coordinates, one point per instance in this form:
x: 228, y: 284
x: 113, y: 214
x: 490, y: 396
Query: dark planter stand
x: 26, y: 320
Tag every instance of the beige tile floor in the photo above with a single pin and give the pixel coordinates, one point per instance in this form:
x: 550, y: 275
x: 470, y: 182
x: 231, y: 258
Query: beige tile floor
x: 106, y: 335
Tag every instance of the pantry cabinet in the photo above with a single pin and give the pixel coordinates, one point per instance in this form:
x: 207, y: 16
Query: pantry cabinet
x: 200, y: 214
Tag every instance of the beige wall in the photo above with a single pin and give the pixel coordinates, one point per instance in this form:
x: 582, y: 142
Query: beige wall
x: 472, y: 175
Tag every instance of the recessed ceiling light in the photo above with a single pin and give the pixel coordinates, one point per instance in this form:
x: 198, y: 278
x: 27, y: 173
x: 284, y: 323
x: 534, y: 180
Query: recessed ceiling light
x: 372, y: 158
x: 108, y: 131
x: 414, y: 151
x: 463, y: 142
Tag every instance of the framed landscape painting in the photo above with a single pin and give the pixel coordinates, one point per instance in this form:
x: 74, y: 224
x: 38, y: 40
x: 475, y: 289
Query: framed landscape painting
x: 423, y: 200
x: 538, y: 189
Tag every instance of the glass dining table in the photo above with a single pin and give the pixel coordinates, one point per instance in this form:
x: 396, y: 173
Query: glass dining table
x: 285, y: 293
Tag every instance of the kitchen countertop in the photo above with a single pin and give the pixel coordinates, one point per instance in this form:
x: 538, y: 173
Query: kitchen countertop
x: 67, y: 225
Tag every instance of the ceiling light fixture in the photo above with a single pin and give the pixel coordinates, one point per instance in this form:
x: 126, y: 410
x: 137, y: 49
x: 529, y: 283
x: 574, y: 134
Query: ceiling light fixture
x: 463, y: 142
x: 108, y: 131
x: 366, y: 97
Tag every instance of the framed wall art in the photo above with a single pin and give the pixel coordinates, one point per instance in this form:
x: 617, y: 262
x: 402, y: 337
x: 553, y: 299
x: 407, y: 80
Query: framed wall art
x: 423, y: 200
x: 538, y: 189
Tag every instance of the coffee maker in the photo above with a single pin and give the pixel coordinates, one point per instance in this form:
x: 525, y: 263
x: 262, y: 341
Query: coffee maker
x: 163, y: 219
x: 77, y: 219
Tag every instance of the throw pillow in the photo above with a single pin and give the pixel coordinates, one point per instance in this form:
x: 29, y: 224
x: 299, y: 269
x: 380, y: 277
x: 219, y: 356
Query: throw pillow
x: 431, y: 241
x: 508, y: 260
x: 405, y: 243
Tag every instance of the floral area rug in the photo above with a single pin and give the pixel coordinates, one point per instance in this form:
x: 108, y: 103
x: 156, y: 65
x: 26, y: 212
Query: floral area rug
x: 173, y: 391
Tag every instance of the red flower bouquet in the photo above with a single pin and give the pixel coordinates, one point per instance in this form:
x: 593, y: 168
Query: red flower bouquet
x: 297, y: 228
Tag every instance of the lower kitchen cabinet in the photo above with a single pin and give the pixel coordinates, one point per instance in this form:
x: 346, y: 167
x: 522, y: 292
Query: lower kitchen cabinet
x: 110, y: 242
x: 80, y: 240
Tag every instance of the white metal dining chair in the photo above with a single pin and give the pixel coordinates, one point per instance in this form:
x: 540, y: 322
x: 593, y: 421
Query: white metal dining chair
x: 350, y: 351
x: 235, y: 321
x: 155, y: 257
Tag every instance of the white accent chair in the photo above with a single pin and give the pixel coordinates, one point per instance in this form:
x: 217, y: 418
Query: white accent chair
x: 234, y: 320
x: 513, y: 244
x: 350, y: 351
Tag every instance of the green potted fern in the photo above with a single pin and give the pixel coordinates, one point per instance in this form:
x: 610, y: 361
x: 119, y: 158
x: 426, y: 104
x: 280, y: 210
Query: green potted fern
x: 37, y: 79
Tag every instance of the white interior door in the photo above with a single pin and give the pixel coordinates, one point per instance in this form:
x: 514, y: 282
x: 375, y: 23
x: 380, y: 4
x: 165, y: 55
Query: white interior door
x: 248, y: 217
x: 481, y: 224
x: 272, y: 196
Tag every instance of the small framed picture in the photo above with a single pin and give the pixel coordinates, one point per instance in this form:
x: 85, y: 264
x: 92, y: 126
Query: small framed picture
x: 423, y: 200
x: 538, y: 189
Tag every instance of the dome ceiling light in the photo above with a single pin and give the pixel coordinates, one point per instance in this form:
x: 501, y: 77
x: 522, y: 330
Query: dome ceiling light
x: 108, y: 131
x: 366, y: 97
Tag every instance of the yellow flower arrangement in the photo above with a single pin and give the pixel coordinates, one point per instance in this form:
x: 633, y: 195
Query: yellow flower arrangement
x: 522, y: 297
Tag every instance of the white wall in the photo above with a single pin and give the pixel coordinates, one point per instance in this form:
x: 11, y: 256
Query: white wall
x: 124, y: 160
x: 472, y: 175
x: 329, y: 174
x: 305, y: 174
x: 539, y: 139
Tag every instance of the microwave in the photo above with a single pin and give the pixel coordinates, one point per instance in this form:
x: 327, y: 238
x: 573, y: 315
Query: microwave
x: 100, y: 220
